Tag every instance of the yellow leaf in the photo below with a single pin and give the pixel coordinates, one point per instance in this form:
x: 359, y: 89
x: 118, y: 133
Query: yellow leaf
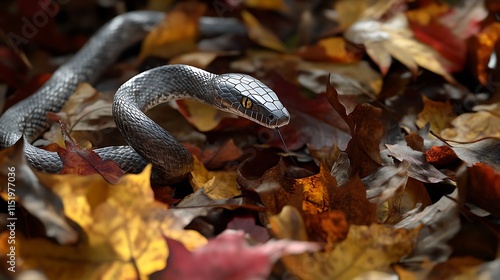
x: 204, y: 117
x: 260, y: 34
x: 366, y: 248
x: 123, y: 226
x: 177, y: 33
x: 438, y: 114
x: 217, y: 185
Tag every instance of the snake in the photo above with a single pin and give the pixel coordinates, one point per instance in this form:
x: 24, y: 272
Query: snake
x: 148, y: 142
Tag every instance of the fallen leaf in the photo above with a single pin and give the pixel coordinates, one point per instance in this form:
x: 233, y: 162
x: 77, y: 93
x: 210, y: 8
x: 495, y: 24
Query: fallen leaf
x: 86, y: 110
x: 469, y: 127
x: 439, y: 222
x: 217, y: 155
x: 78, y: 160
x: 228, y: 256
x: 249, y: 226
x: 328, y: 227
x: 260, y: 34
x: 204, y: 117
x: 481, y: 151
x: 365, y: 249
x: 113, y: 218
x: 394, y: 38
x: 483, y: 45
x: 483, y: 188
x: 334, y: 49
x: 217, y: 184
x: 176, y: 34
x: 23, y: 187
x: 419, y: 168
x: 438, y: 114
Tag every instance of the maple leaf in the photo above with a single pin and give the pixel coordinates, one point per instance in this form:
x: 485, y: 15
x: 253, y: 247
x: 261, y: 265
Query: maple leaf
x: 78, y: 160
x: 28, y: 191
x: 114, y: 219
x: 228, y: 256
x: 366, y: 248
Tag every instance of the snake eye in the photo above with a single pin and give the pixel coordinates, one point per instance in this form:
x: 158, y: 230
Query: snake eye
x: 246, y: 102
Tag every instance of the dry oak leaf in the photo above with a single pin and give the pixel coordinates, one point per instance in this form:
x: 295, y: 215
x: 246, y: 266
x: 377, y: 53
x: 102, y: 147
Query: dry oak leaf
x: 176, y: 34
x: 216, y: 184
x: 228, y: 257
x: 365, y: 249
x: 334, y: 49
x: 483, y: 45
x: 125, y: 230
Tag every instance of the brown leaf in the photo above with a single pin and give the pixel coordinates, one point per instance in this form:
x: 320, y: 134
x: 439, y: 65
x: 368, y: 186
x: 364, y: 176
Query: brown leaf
x: 216, y: 156
x: 333, y: 49
x: 78, y: 160
x: 329, y: 227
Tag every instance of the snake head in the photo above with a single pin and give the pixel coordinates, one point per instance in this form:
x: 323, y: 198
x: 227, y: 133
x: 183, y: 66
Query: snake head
x: 248, y: 97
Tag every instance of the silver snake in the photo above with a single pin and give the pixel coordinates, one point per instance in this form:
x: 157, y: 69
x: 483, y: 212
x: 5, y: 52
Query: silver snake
x: 237, y: 93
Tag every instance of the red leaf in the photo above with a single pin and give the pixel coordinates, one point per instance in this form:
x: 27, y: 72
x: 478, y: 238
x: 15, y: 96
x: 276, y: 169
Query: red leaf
x: 228, y: 256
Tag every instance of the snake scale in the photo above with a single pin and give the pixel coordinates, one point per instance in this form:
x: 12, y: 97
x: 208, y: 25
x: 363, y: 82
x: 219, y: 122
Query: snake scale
x: 237, y: 93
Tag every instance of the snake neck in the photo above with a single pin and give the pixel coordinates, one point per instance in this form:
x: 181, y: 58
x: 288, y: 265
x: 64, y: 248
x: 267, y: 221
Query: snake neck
x: 147, y: 90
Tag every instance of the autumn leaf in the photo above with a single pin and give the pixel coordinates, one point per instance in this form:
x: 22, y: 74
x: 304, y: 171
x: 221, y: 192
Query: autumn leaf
x: 228, y: 256
x: 78, y: 160
x: 176, y: 34
x: 393, y: 38
x: 419, y: 168
x: 217, y: 185
x: 366, y: 248
x: 473, y: 126
x: 25, y: 189
x: 438, y: 114
x: 113, y: 220
x: 261, y: 34
x: 483, y: 187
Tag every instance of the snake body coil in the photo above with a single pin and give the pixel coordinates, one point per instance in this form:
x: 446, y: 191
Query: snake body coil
x: 236, y: 93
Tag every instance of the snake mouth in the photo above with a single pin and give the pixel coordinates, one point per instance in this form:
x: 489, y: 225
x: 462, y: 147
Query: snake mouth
x: 278, y: 119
